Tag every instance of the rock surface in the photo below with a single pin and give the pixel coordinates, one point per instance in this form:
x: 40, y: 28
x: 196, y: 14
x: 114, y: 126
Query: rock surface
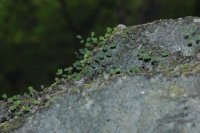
x: 154, y: 90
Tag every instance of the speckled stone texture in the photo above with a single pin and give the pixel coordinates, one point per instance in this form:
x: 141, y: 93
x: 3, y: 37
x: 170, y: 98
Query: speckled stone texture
x: 163, y: 96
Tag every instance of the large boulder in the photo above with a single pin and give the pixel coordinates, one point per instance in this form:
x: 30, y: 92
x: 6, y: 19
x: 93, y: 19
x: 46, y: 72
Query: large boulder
x: 146, y: 81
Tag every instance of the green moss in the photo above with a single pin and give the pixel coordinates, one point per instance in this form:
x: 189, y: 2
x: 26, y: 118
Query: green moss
x: 187, y: 69
x: 11, y: 125
x: 175, y: 91
x: 87, y: 86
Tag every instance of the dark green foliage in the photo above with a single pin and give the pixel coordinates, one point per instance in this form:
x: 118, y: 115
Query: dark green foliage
x: 165, y: 54
x: 59, y: 72
x: 88, y: 65
x: 115, y: 70
x: 142, y: 55
x: 134, y: 69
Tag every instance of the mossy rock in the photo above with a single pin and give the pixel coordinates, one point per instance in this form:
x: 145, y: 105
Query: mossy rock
x: 142, y: 78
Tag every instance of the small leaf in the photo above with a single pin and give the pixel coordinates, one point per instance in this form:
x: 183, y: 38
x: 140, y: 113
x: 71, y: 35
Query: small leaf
x: 165, y: 54
x: 68, y: 69
x: 79, y: 36
x: 56, y: 79
x: 76, y: 64
x: 13, y: 107
x: 17, y: 103
x: 77, y: 77
x: 105, y: 48
x: 64, y: 75
x: 59, y: 72
x: 108, y: 55
x: 88, y: 39
x: 92, y: 34
x: 101, y: 38
x: 31, y: 89
x: 87, y: 62
x: 69, y: 76
x: 78, y: 67
x: 26, y: 108
x: 16, y: 97
x: 93, y: 66
x: 82, y: 62
x: 87, y: 55
x: 97, y: 61
x: 10, y: 100
x: 4, y: 96
x: 107, y: 35
x: 35, y: 102
x: 86, y: 50
x: 17, y: 114
x: 82, y: 41
x: 109, y: 29
x: 146, y: 57
x: 115, y: 29
x: 94, y: 40
x: 81, y: 51
x: 155, y: 58
x: 101, y: 57
x: 184, y: 66
x: 134, y: 69
x: 62, y: 79
x: 113, y: 46
x: 115, y: 70
x: 88, y: 45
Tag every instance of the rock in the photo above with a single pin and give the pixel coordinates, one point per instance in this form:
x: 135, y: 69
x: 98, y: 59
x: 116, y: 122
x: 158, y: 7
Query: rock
x: 150, y: 85
x: 121, y: 26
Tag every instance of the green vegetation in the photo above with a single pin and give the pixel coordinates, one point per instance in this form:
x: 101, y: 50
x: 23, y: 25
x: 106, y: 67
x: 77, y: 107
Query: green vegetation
x: 86, y: 65
x: 19, y: 105
x: 37, y: 37
x: 165, y: 54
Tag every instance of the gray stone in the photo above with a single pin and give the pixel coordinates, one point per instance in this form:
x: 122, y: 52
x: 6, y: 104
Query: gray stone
x: 160, y: 95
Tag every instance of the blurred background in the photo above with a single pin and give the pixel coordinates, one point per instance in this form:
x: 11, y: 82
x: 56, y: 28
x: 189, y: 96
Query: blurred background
x: 39, y: 36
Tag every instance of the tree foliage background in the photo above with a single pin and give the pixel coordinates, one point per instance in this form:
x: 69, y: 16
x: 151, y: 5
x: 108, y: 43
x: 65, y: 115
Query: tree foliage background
x: 39, y: 36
